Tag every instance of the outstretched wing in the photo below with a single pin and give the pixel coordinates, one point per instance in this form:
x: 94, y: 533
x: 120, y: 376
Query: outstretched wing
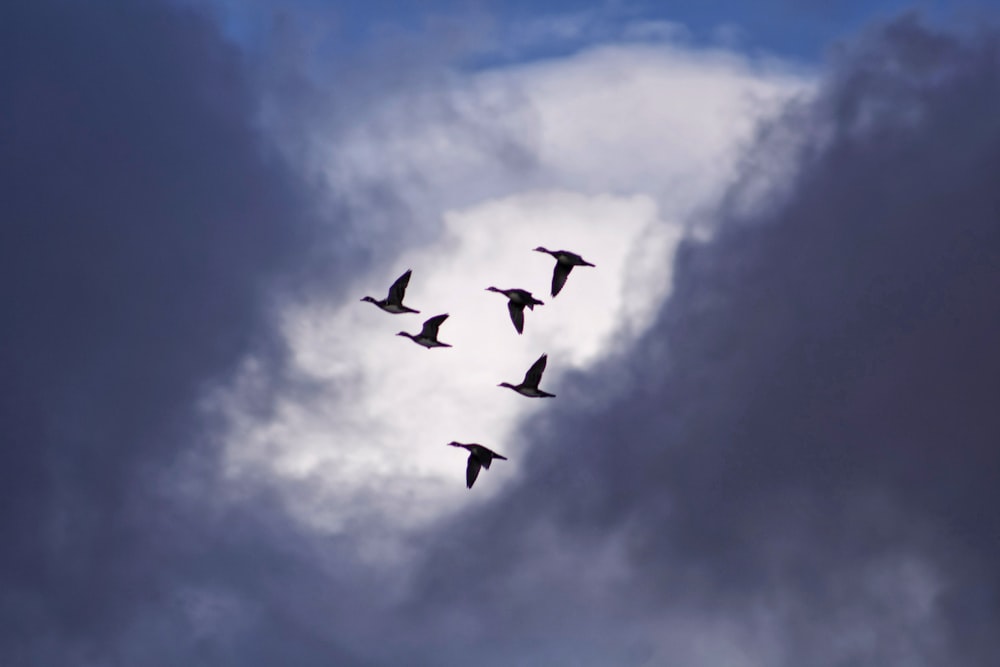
x: 431, y: 326
x: 559, y: 276
x: 471, y: 471
x: 398, y: 288
x: 534, y: 374
x: 516, y: 315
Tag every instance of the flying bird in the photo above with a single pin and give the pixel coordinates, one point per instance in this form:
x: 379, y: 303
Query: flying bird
x: 529, y: 386
x: 565, y: 261
x: 428, y: 335
x: 394, y: 302
x: 517, y: 300
x: 479, y: 457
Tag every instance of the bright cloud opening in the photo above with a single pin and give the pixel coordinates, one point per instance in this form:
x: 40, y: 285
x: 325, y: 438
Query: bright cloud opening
x: 608, y: 153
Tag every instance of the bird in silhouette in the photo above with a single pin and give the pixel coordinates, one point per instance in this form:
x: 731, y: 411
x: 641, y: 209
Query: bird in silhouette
x: 565, y: 261
x: 428, y: 335
x: 529, y: 386
x: 517, y: 300
x: 479, y: 457
x: 394, y: 302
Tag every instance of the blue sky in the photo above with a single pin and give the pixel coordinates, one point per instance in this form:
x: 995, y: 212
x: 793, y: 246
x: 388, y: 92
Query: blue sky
x: 773, y: 441
x: 790, y: 28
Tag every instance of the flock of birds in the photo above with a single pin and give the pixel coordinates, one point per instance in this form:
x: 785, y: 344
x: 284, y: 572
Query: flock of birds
x: 517, y: 301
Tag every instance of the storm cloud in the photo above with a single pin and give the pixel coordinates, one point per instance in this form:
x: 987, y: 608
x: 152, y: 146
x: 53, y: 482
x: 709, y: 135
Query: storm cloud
x: 146, y: 225
x: 804, y: 447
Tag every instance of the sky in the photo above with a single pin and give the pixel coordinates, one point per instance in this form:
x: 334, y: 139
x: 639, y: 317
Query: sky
x: 774, y: 441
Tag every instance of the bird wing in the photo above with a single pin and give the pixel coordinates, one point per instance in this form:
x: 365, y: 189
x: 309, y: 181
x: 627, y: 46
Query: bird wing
x: 534, y: 374
x: 559, y: 276
x: 398, y: 288
x: 432, y: 325
x: 471, y: 471
x: 516, y: 315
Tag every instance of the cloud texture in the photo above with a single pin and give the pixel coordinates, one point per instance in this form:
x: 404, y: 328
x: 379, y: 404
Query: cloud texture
x: 143, y: 225
x: 799, y: 465
x: 806, y: 457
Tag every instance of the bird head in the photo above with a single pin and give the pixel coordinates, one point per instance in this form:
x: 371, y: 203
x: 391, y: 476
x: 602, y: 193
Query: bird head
x: 493, y: 289
x: 368, y: 299
x: 541, y: 249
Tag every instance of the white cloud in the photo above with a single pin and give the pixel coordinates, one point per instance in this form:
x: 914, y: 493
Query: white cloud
x: 608, y: 153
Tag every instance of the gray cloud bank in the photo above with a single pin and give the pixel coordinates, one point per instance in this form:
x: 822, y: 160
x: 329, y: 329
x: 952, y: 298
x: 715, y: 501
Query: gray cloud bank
x: 143, y: 225
x: 801, y: 468
x: 809, y: 451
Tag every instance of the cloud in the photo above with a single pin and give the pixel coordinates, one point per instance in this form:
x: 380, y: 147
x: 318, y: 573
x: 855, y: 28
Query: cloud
x: 803, y: 461
x: 786, y: 462
x: 365, y: 456
x: 146, y: 226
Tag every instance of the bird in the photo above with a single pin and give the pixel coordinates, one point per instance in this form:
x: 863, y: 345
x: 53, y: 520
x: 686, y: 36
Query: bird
x: 394, y: 302
x: 565, y: 261
x: 479, y: 457
x: 529, y: 386
x: 518, y: 299
x: 428, y: 335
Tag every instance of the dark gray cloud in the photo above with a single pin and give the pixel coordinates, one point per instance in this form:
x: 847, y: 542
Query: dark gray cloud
x: 811, y: 431
x: 144, y: 226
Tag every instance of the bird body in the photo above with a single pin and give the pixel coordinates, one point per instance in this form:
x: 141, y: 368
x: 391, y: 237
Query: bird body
x: 394, y: 308
x: 479, y: 457
x: 428, y: 335
x: 529, y: 386
x: 565, y: 261
x: 393, y: 303
x: 517, y: 299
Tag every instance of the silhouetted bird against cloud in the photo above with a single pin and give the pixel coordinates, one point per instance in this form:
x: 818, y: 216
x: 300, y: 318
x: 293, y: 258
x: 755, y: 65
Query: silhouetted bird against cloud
x: 518, y: 299
x: 394, y: 302
x: 565, y: 261
x: 428, y: 335
x: 479, y: 456
x: 529, y: 387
